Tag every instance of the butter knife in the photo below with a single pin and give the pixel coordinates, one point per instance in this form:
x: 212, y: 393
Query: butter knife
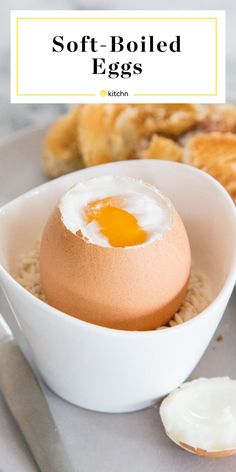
x: 27, y: 404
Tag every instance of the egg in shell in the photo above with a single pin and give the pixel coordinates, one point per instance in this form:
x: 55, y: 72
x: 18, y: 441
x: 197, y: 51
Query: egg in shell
x: 115, y: 253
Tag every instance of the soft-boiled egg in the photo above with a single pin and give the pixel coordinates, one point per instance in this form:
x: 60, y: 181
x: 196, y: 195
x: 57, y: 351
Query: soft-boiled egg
x: 200, y: 416
x: 115, y: 253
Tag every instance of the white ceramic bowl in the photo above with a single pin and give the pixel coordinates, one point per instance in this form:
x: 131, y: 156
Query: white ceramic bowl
x: 110, y: 370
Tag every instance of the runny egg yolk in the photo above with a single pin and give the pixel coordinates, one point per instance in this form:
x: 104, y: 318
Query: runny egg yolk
x: 120, y: 227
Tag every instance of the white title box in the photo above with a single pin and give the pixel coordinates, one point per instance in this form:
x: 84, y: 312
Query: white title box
x: 117, y: 56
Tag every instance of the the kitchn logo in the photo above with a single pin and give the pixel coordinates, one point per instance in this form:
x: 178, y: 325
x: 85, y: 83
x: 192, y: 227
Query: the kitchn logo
x: 113, y: 93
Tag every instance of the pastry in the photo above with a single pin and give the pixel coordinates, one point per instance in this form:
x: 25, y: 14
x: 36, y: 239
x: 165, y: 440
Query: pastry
x: 61, y: 152
x: 99, y: 138
x: 117, y: 132
x: 220, y: 118
x: 171, y: 120
x: 163, y: 148
x: 215, y: 153
x: 94, y: 134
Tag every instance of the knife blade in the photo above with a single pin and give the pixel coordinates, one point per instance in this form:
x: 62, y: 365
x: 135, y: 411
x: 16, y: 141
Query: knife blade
x: 27, y: 404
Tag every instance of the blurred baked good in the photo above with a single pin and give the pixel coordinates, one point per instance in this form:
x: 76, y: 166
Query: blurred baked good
x: 172, y: 120
x: 103, y: 133
x: 201, y: 135
x: 215, y: 153
x: 61, y: 153
x: 220, y: 118
x: 117, y: 132
x: 163, y: 148
x: 99, y: 138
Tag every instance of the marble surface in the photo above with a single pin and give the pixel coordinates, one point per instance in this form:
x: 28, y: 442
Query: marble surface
x: 15, y: 117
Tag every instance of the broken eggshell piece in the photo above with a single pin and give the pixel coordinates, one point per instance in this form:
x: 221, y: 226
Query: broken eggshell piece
x: 200, y: 416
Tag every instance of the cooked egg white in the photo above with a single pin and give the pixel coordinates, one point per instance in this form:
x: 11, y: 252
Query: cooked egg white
x: 116, y: 211
x: 200, y: 416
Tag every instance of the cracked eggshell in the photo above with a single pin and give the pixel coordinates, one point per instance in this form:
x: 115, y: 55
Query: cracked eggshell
x: 200, y: 416
x: 138, y: 288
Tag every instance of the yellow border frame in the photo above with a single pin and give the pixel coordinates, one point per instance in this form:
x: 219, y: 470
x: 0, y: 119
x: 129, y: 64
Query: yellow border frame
x: 118, y: 18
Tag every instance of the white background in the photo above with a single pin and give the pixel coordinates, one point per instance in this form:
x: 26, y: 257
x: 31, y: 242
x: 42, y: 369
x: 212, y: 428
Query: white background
x: 190, y: 72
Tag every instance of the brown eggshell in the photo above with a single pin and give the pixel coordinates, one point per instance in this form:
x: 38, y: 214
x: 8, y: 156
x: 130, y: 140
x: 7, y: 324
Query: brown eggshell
x: 138, y: 288
x: 202, y: 452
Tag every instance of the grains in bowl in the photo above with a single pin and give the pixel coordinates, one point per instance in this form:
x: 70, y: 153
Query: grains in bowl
x: 28, y: 274
x: 195, y: 301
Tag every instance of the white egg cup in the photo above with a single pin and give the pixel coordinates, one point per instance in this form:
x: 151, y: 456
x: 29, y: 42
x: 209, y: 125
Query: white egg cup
x: 111, y: 370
